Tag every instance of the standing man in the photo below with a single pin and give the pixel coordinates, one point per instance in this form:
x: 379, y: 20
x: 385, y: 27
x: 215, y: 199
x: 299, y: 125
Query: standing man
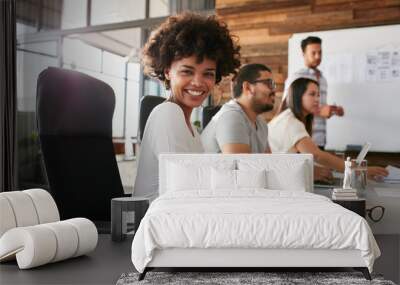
x: 237, y: 128
x: 312, y: 54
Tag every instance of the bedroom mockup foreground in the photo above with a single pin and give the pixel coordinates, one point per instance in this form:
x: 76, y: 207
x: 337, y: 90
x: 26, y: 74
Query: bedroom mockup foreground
x: 250, y: 278
x: 247, y: 211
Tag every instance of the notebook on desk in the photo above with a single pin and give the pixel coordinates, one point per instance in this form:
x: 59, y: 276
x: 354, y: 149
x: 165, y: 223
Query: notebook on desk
x: 394, y: 175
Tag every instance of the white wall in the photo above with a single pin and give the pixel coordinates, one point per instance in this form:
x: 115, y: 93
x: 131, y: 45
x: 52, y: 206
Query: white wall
x: 362, y: 67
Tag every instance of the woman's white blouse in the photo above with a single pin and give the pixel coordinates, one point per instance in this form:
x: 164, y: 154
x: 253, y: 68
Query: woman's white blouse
x: 165, y: 132
x: 284, y: 131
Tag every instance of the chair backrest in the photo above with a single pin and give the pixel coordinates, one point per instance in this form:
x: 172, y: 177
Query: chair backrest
x: 147, y: 104
x: 208, y: 113
x: 74, y: 115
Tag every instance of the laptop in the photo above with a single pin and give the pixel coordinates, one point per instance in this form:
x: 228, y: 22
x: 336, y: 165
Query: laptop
x: 337, y: 180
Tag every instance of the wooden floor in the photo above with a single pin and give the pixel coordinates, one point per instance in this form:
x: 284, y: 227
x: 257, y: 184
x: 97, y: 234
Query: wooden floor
x: 106, y: 264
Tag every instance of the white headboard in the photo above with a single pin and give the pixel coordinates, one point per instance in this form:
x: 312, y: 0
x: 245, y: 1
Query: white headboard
x: 210, y: 159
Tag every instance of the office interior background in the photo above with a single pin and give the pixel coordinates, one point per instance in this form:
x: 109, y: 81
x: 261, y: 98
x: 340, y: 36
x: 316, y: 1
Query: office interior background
x: 103, y: 39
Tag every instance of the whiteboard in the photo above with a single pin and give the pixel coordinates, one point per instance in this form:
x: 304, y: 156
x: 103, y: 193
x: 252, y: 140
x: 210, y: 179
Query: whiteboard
x: 362, y: 67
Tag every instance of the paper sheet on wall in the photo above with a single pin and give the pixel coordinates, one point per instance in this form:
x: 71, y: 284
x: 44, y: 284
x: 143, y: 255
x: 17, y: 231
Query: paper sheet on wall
x: 396, y: 65
x: 382, y: 65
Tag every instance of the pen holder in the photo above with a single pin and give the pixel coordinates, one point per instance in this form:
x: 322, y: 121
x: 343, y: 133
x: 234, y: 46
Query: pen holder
x: 359, y: 176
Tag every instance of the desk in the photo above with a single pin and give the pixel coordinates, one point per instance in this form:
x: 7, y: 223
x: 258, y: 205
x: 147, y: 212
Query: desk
x: 379, y: 194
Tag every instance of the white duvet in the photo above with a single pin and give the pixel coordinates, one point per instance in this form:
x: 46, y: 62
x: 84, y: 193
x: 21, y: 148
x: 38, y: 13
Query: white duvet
x: 256, y: 218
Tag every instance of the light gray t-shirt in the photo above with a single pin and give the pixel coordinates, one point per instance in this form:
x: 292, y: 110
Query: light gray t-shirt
x: 232, y: 126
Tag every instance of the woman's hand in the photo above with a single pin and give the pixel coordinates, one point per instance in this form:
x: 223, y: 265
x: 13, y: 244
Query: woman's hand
x: 377, y: 173
x: 325, y: 111
x: 322, y: 174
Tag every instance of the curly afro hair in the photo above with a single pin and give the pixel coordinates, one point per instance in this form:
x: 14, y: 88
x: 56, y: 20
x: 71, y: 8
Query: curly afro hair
x: 186, y: 35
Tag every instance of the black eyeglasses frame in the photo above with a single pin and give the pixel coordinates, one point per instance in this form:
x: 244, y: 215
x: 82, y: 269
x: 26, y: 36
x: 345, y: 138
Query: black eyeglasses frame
x: 269, y: 82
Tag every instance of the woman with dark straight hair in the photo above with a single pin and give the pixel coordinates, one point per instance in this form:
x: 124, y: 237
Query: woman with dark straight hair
x: 294, y: 102
x: 290, y: 130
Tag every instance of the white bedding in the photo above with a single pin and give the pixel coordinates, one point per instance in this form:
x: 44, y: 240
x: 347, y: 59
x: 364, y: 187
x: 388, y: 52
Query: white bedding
x: 253, y: 218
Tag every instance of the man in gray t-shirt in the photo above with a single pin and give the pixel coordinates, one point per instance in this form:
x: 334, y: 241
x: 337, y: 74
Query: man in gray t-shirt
x: 237, y: 128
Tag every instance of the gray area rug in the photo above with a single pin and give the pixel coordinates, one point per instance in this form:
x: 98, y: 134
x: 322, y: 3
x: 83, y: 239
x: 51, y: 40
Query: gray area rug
x: 225, y: 278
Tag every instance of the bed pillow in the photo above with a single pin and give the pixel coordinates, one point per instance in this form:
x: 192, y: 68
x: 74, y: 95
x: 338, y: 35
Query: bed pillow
x: 181, y: 178
x: 184, y: 175
x: 293, y: 180
x: 251, y: 178
x: 223, y: 179
x: 280, y: 175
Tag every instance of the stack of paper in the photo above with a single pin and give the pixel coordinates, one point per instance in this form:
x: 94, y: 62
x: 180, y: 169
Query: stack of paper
x: 394, y: 175
x: 344, y: 194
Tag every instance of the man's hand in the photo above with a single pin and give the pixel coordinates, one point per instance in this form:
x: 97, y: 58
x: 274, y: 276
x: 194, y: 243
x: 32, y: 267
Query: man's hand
x: 231, y: 148
x: 322, y: 174
x: 339, y: 111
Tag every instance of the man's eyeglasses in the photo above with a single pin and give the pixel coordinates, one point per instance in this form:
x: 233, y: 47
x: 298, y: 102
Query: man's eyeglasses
x: 269, y: 82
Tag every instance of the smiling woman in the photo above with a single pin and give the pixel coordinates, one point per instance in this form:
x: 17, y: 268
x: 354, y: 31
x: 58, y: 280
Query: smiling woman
x: 190, y: 83
x: 190, y: 54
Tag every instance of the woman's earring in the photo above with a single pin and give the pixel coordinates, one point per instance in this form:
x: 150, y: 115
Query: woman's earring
x: 166, y: 84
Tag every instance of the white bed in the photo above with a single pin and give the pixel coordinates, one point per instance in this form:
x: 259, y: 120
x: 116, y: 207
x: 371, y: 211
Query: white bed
x: 220, y: 211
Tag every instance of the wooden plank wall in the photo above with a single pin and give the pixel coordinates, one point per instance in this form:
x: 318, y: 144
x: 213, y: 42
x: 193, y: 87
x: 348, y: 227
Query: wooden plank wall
x: 265, y: 26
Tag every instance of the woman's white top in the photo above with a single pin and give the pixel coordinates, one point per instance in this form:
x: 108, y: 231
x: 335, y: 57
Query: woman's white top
x: 165, y: 132
x: 284, y: 131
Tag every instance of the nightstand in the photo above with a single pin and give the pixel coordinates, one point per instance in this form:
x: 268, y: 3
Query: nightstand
x: 126, y: 214
x: 356, y: 205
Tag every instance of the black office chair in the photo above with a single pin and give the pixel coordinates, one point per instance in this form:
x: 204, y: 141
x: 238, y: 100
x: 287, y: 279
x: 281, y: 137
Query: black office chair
x: 74, y: 116
x: 208, y: 113
x: 147, y: 105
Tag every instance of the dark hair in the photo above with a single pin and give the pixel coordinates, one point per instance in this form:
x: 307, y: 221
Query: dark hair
x: 310, y: 40
x: 294, y: 101
x: 249, y: 73
x: 190, y: 34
